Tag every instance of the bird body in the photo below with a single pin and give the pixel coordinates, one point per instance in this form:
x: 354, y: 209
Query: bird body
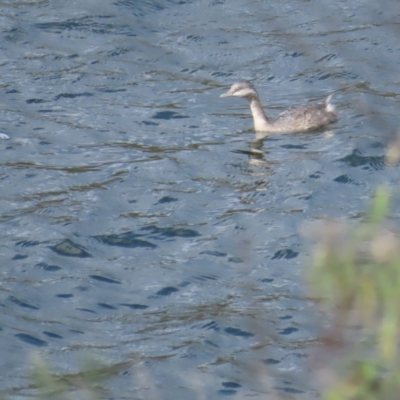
x: 296, y: 119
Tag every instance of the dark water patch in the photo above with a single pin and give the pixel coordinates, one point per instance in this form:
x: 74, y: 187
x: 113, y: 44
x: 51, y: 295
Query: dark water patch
x: 293, y: 146
x: 77, y: 331
x: 35, y: 101
x: 168, y: 115
x: 20, y: 257
x: 358, y: 116
x: 27, y: 243
x: 52, y: 335
x: 357, y: 159
x: 217, y: 3
x: 190, y: 71
x: 346, y: 75
x: 211, y: 326
x: 214, y: 253
x: 288, y: 331
x: 167, y: 291
x: 170, y: 232
x: 134, y: 306
x: 322, y: 76
x: 72, y: 95
x: 345, y: 179
x: 285, y: 317
x: 285, y: 253
x: 315, y: 175
x: 290, y: 390
x: 231, y: 385
x: 47, y: 267
x: 22, y: 303
x: 295, y: 54
x: 65, y: 296
x: 205, y: 278
x: 104, y: 279
x: 109, y: 90
x: 70, y: 249
x: 378, y: 145
x: 86, y: 24
x: 149, y: 123
x: 238, y: 332
x: 44, y: 143
x: 12, y: 91
x: 167, y: 199
x: 236, y: 260
x: 31, y: 339
x: 106, y: 306
x: 195, y: 38
x: 117, y: 52
x: 184, y: 284
x: 69, y: 56
x: 271, y: 361
x: 88, y: 310
x: 267, y: 280
x: 220, y: 74
x: 327, y: 57
x: 126, y: 239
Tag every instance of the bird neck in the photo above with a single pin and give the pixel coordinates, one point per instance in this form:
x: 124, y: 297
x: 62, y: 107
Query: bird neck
x: 261, y: 122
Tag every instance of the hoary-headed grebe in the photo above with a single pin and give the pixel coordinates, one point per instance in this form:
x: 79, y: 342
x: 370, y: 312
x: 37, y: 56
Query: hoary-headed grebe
x: 295, y: 119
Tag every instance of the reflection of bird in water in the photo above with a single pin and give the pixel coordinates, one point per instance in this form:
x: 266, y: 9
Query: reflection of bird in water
x: 295, y: 119
x: 255, y: 153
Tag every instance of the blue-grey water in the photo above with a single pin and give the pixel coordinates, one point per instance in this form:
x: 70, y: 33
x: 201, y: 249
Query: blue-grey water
x: 138, y: 227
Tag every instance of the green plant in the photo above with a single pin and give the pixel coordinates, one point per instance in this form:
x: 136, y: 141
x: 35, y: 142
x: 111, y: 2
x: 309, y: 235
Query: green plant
x: 356, y: 276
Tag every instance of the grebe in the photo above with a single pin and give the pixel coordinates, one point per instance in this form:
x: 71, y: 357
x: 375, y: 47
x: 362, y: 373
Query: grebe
x: 295, y: 119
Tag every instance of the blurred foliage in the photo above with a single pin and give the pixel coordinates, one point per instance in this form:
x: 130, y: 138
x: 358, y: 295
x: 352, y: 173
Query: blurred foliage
x: 356, y: 276
x: 87, y: 384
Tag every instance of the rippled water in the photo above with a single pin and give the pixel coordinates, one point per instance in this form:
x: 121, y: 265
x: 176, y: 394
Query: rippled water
x: 140, y: 220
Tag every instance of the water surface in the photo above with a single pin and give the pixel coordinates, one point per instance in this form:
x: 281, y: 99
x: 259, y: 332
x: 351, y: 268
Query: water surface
x: 139, y: 224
